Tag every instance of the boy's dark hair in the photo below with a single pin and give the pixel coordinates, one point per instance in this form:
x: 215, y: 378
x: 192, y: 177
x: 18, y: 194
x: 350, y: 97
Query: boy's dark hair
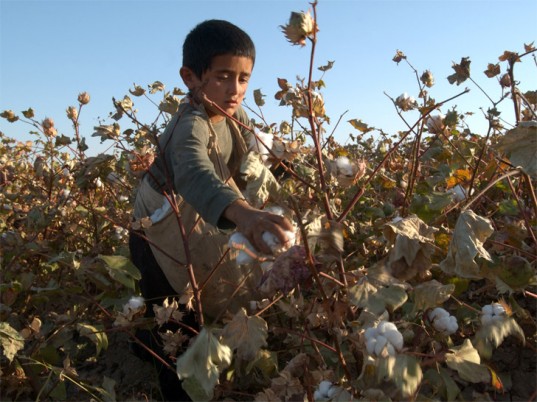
x: 213, y: 38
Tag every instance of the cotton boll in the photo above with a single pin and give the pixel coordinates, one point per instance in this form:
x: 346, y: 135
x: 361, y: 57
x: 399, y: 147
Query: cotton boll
x: 487, y: 309
x: 498, y: 309
x: 385, y: 326
x: 236, y: 241
x: 390, y: 349
x: 381, y: 343
x: 274, y: 243
x: 256, y: 144
x: 345, y: 166
x: 438, y: 312
x: 324, y: 387
x: 453, y: 325
x: 486, y: 319
x: 441, y: 324
x: 370, y: 345
x: 395, y: 338
x: 458, y: 192
x: 332, y: 392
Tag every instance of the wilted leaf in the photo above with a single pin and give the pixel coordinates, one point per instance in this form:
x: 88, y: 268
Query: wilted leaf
x: 360, y: 126
x: 28, y: 113
x: 110, y: 132
x: 327, y: 67
x: 470, y: 233
x: 462, y: 71
x: 121, y: 269
x: 260, y: 182
x: 155, y: 87
x: 245, y: 334
x: 10, y: 340
x: 170, y: 104
x: 203, y: 361
x: 492, y: 70
x: 520, y: 146
x: 399, y: 55
x: 466, y: 361
x: 137, y: 91
x: 431, y: 294
x: 258, y: 98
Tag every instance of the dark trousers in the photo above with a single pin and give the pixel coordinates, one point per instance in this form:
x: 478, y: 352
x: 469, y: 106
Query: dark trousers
x: 155, y: 288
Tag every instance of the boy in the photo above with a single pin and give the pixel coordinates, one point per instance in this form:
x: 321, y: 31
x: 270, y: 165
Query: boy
x: 199, y: 155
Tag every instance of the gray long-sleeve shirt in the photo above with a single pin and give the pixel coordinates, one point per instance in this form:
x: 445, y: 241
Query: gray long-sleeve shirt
x: 184, y: 160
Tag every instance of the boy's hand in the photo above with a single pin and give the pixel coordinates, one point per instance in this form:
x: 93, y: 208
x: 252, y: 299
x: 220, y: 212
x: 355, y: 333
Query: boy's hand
x: 253, y: 222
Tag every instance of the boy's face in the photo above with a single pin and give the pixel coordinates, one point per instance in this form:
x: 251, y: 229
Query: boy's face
x: 224, y: 83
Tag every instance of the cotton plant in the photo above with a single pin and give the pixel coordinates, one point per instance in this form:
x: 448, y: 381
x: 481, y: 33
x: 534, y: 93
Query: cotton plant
x: 442, y: 321
x: 383, y: 340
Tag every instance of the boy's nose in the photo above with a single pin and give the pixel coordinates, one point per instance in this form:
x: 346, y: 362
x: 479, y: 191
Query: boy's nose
x: 234, y: 87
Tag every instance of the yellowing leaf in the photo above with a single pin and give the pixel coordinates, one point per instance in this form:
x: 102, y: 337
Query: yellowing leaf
x: 245, y: 334
x: 460, y: 176
x: 360, y: 126
x: 470, y: 233
x: 10, y: 340
x: 466, y: 361
x: 520, y: 146
x: 203, y: 361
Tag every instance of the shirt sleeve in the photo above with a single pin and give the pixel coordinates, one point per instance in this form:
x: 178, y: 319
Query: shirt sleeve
x: 194, y: 176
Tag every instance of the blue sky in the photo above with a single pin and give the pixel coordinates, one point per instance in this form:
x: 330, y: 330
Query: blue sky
x: 52, y: 50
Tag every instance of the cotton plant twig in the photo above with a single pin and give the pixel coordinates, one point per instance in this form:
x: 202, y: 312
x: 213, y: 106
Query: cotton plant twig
x: 361, y: 191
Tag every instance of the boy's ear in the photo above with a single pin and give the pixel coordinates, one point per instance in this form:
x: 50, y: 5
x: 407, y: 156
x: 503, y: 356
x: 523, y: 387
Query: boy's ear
x: 189, y: 77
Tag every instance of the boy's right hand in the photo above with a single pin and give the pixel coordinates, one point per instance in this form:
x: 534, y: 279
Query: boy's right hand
x: 252, y: 222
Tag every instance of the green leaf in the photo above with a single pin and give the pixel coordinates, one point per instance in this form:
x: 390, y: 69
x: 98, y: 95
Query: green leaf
x: 10, y: 340
x: 465, y: 360
x: 203, y: 362
x: 95, y: 333
x: 471, y: 231
x: 246, y: 335
x: 403, y: 370
x: 121, y: 269
x: 520, y: 146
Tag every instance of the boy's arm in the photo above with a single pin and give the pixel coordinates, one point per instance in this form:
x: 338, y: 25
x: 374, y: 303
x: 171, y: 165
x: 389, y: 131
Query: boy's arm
x: 252, y: 222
